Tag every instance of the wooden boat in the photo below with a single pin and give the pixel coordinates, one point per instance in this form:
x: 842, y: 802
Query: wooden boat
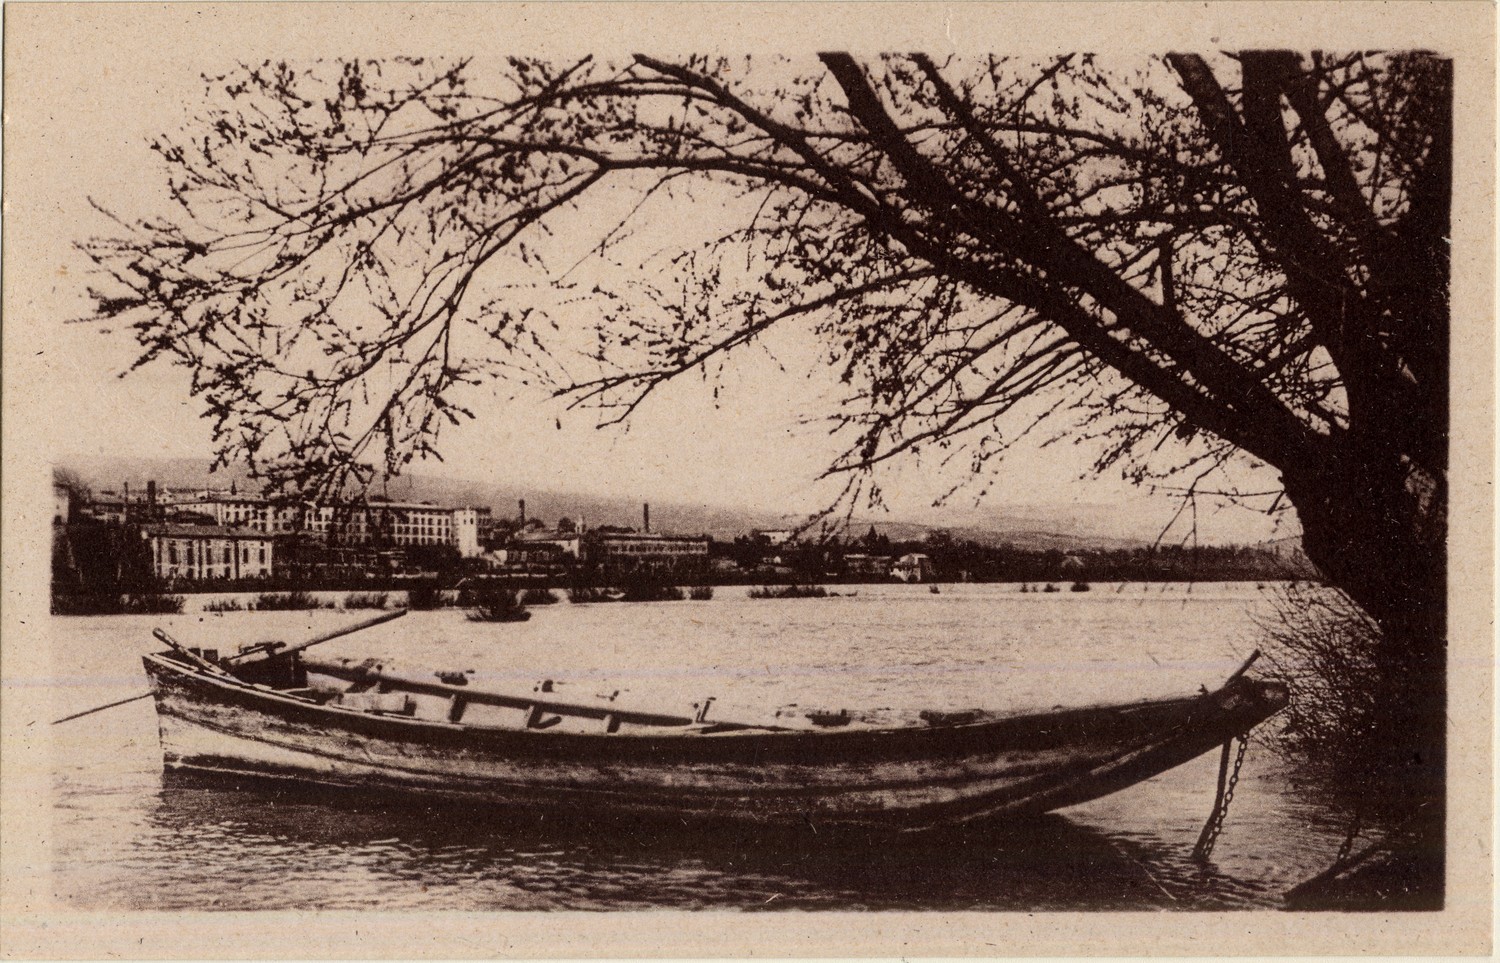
x: 283, y: 714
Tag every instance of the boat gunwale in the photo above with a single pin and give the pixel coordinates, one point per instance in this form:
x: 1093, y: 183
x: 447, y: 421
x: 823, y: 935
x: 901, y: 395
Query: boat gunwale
x: 984, y: 735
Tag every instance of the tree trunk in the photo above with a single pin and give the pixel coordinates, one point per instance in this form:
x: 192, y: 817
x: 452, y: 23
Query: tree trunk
x: 1378, y: 531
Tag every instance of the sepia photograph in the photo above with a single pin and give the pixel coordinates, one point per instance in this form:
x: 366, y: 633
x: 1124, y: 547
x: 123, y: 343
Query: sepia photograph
x: 748, y: 479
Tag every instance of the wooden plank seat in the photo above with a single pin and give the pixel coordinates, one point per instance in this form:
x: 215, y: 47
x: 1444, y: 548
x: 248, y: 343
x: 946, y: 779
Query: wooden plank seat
x: 540, y: 712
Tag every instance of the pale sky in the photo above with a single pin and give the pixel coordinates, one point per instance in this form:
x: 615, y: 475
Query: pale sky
x: 84, y: 117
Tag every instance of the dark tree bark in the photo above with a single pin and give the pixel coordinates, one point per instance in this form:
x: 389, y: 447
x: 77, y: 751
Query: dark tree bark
x: 1373, y: 504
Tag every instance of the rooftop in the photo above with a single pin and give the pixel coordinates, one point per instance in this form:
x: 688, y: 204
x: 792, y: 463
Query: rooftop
x: 546, y: 536
x: 648, y: 536
x: 181, y: 530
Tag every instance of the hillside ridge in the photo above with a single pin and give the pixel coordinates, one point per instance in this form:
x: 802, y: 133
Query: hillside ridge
x: 1038, y: 527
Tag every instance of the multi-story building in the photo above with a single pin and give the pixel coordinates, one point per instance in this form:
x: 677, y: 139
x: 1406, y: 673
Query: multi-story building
x: 633, y: 551
x: 234, y: 511
x: 208, y: 551
x: 400, y: 523
x: 379, y: 523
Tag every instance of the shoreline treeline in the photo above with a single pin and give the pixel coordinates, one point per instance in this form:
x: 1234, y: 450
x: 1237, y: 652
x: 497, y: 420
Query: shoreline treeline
x: 98, y: 569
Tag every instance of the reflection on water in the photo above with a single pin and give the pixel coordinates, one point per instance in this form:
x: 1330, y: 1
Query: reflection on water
x: 126, y: 836
x: 251, y: 842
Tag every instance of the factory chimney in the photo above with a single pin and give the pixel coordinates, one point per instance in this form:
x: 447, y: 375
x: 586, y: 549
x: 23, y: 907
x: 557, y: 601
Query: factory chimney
x: 523, y: 514
x: 646, y: 517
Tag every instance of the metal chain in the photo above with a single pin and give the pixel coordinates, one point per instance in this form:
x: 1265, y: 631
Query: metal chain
x: 1234, y: 776
x: 1215, y: 823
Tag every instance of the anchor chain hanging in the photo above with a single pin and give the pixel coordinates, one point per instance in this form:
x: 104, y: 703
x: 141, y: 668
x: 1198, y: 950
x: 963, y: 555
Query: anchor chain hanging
x: 1228, y: 779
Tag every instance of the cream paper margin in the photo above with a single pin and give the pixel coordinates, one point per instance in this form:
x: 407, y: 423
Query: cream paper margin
x: 139, y: 37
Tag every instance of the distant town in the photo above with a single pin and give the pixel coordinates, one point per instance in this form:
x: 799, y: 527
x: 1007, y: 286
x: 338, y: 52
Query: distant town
x: 154, y: 539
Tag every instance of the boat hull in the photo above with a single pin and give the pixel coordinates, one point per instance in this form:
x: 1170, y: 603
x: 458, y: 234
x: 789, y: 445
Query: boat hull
x: 908, y: 778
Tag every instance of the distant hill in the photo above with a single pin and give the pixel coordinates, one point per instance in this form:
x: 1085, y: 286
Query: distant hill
x: 1073, y: 526
x: 719, y: 521
x: 112, y: 473
x: 1148, y: 520
x: 1017, y: 534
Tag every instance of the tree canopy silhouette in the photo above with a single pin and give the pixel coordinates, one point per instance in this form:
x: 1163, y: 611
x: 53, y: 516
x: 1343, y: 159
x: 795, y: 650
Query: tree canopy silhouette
x: 1189, y: 256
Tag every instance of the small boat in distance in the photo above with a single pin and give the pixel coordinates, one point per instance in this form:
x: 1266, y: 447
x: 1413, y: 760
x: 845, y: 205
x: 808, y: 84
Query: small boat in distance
x: 272, y: 711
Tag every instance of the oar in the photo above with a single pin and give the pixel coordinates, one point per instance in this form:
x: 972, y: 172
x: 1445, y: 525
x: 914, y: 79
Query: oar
x: 107, y: 705
x: 204, y: 663
x: 349, y: 630
x: 179, y: 648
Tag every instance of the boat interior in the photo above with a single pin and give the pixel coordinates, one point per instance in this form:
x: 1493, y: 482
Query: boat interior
x: 450, y: 696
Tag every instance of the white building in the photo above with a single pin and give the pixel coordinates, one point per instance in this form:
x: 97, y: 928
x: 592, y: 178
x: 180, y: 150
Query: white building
x: 208, y: 551
x: 378, y: 522
x: 915, y: 567
x: 466, y: 532
x: 234, y: 511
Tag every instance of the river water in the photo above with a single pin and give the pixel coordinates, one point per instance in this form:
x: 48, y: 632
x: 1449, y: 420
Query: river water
x: 125, y: 837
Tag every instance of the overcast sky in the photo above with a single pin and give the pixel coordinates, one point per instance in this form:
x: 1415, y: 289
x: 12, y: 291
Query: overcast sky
x: 85, y: 115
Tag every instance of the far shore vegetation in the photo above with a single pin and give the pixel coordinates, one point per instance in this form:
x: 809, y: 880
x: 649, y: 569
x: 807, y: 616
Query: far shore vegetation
x: 789, y: 592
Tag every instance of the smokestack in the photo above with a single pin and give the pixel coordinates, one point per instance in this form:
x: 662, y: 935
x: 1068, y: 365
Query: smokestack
x: 151, y: 492
x: 646, y: 517
x: 523, y: 514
